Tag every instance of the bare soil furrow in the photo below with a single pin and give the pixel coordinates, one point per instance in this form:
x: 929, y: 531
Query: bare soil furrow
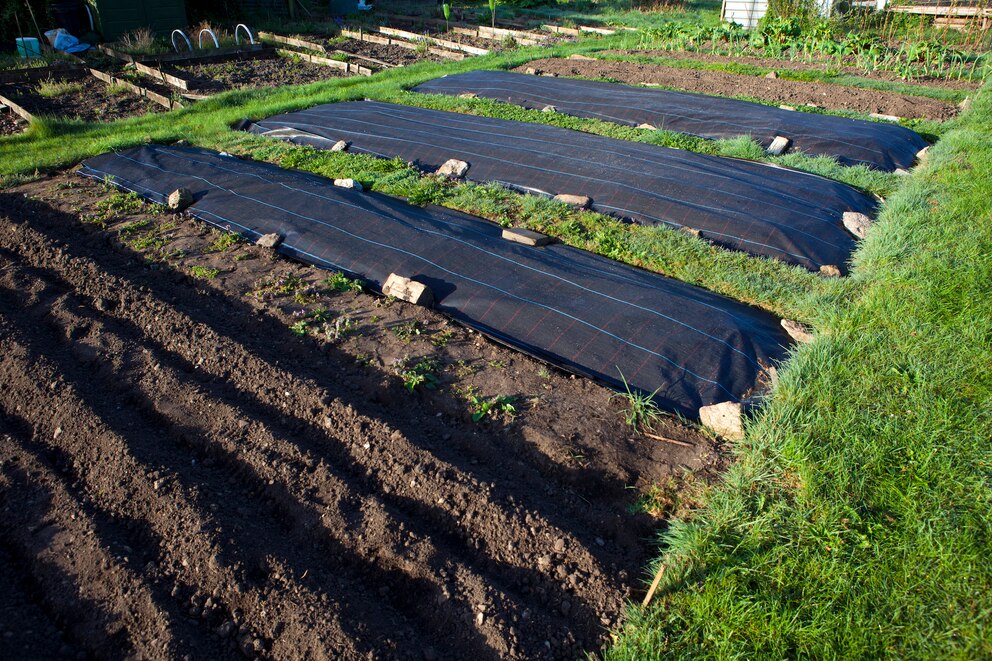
x: 286, y: 497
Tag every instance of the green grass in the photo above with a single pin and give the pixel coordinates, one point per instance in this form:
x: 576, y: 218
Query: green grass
x: 856, y: 521
x: 51, y: 88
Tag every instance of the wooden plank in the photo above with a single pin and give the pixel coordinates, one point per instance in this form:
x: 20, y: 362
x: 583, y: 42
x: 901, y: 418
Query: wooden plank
x: 347, y: 67
x: 158, y: 74
x: 184, y: 56
x: 390, y: 41
x: 16, y: 109
x: 942, y: 11
x: 602, y: 31
x: 502, y: 33
x: 40, y: 73
x: 140, y: 91
x: 366, y: 58
x: 557, y: 29
x: 488, y: 34
x: 293, y: 41
x: 444, y: 43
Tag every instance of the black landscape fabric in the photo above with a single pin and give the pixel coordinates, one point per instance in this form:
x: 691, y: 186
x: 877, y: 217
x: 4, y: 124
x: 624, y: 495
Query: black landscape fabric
x: 758, y: 208
x: 581, y: 311
x: 882, y: 146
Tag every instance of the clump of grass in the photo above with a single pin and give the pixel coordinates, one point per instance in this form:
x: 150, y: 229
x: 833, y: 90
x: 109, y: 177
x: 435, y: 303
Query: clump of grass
x: 140, y: 41
x: 641, y: 412
x: 51, y: 88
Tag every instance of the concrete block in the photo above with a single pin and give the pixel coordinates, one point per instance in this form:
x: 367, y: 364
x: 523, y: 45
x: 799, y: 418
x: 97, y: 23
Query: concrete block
x: 726, y: 419
x: 799, y: 332
x: 923, y: 154
x: 580, y: 201
x: 830, y: 271
x: 549, y: 109
x: 180, y: 198
x: 771, y: 74
x: 348, y: 183
x: 787, y: 108
x: 526, y: 237
x: 647, y: 127
x: 341, y: 145
x: 779, y: 145
x: 408, y: 290
x: 887, y: 118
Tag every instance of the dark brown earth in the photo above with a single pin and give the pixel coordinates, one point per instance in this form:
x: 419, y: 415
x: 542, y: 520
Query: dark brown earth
x: 789, y: 92
x: 395, y: 55
x: 11, y: 123
x: 181, y: 476
x: 242, y: 73
x: 93, y: 101
x: 781, y: 64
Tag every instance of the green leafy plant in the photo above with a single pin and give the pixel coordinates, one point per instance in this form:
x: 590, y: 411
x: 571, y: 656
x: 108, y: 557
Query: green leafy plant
x: 446, y: 9
x: 225, y: 241
x: 483, y: 406
x: 51, y: 88
x: 204, y: 272
x: 407, y: 330
x: 342, y: 283
x: 423, y: 373
x: 492, y: 10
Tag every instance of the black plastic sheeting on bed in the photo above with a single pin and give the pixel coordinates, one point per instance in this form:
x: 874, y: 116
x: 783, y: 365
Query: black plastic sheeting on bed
x: 880, y: 146
x: 754, y: 207
x: 581, y: 311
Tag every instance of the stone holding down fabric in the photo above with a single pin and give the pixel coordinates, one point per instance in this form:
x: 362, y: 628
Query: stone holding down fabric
x: 881, y: 146
x: 583, y: 312
x: 758, y: 208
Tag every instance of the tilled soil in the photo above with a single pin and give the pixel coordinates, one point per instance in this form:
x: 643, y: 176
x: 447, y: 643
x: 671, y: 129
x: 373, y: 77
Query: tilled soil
x: 395, y: 55
x: 11, y: 123
x: 789, y: 92
x: 181, y: 476
x: 781, y: 64
x: 91, y: 101
x: 217, y: 76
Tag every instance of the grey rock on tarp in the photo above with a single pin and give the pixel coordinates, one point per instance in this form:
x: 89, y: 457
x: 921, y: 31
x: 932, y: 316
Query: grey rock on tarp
x: 799, y: 332
x: 580, y: 201
x: 647, y: 127
x: 549, y: 109
x: 857, y: 224
x: 531, y: 70
x: 725, y: 418
x: 269, y: 241
x: 348, y: 183
x: 180, y: 198
x: 453, y: 168
x: 341, y: 145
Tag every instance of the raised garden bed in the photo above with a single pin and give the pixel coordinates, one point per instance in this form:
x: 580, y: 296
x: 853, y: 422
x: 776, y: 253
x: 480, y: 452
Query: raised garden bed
x: 790, y: 92
x: 264, y: 70
x: 75, y: 96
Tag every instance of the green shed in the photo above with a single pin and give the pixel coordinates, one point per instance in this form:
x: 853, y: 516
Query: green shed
x: 115, y: 17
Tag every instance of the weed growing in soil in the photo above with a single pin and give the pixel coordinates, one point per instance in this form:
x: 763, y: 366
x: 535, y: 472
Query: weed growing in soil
x: 440, y: 340
x: 641, y: 412
x: 51, y: 88
x: 225, y: 241
x: 407, y: 330
x: 204, y: 272
x: 490, y: 406
x: 422, y: 373
x: 341, y: 283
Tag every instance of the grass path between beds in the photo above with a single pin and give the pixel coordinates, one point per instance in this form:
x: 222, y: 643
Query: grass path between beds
x: 857, y: 519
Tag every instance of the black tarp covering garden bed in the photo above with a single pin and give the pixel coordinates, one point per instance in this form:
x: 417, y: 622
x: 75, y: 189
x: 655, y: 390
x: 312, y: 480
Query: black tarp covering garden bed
x: 754, y: 207
x: 880, y: 146
x: 578, y: 310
